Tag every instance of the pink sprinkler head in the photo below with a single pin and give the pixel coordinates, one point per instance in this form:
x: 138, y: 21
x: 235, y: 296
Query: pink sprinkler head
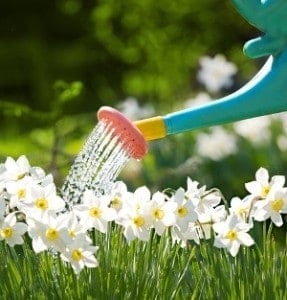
x: 128, y: 134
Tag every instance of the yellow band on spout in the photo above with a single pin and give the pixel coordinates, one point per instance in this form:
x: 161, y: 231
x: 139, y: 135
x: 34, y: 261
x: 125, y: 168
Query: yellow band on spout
x: 152, y: 128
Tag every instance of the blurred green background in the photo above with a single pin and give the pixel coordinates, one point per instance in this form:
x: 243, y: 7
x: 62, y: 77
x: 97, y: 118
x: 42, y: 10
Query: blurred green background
x: 61, y: 60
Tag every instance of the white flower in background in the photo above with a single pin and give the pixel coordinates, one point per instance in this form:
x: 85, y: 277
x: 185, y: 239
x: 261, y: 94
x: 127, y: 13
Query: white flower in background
x: 256, y: 130
x: 216, y: 145
x: 216, y: 73
x: 80, y: 254
x: 283, y: 119
x: 272, y: 207
x: 261, y: 186
x: 11, y: 231
x: 41, y: 200
x: 241, y: 208
x: 95, y: 211
x: 132, y: 110
x: 48, y: 231
x: 185, y: 210
x: 282, y: 142
x: 17, y: 191
x: 201, y: 98
x: 231, y: 233
x: 162, y: 212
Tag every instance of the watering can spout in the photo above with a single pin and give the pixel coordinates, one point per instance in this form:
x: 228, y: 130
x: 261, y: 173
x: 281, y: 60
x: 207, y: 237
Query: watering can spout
x: 265, y: 94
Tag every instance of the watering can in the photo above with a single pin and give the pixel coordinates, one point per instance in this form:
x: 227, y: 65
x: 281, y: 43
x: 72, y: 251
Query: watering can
x: 265, y: 94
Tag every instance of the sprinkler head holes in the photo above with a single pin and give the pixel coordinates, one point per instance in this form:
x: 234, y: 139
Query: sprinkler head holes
x: 128, y: 134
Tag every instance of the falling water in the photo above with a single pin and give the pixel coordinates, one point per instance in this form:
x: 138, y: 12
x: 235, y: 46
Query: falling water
x: 97, y: 165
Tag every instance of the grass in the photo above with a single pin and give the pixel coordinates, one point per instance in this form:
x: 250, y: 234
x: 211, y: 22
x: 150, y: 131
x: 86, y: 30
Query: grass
x: 156, y: 269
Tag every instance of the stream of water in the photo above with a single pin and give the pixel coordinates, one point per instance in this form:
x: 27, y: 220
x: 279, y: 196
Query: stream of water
x: 96, y: 166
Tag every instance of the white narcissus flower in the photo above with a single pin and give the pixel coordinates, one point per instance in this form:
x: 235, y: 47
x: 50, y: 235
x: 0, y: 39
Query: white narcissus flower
x: 216, y: 73
x: 206, y: 220
x: 95, y: 211
x: 73, y: 225
x: 272, y: 207
x: 80, y: 254
x: 192, y: 233
x: 136, y: 223
x: 203, y: 200
x: 17, y: 191
x: 140, y: 198
x: 185, y: 210
x: 41, y: 200
x: 193, y: 192
x: 262, y: 185
x: 118, y: 195
x: 207, y: 202
x: 11, y: 231
x: 241, y: 208
x: 38, y: 175
x: 48, y: 231
x: 231, y: 233
x: 135, y: 215
x: 162, y: 212
x: 16, y: 170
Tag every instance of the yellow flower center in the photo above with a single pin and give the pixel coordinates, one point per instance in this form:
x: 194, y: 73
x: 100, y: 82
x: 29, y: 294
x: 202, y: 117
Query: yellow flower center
x: 265, y: 191
x: 242, y: 212
x: 139, y: 221
x: 158, y: 213
x: 6, y: 232
x: 116, y: 202
x: 182, y: 211
x: 20, y: 176
x: 21, y: 193
x: 72, y: 234
x: 77, y: 254
x: 277, y: 204
x: 95, y: 212
x: 231, y: 235
x: 42, y: 203
x: 52, y: 234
